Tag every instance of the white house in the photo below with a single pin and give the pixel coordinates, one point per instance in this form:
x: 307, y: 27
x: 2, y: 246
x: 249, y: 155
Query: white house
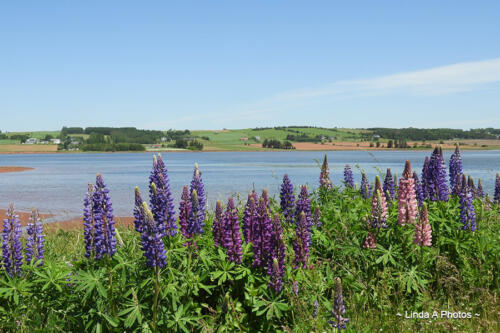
x: 55, y: 141
x: 31, y: 141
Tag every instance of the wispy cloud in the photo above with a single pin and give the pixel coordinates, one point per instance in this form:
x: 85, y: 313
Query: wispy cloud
x: 442, y: 80
x: 437, y: 81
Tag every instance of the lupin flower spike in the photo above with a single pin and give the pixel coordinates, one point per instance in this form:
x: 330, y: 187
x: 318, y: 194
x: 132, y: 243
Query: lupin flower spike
x: 231, y: 237
x: 324, y: 177
x: 348, y: 178
x: 11, y: 243
x: 379, y: 206
x: 407, y: 202
x: 217, y: 224
x: 423, y: 230
x: 287, y: 199
x: 389, y: 184
x: 185, y: 212
x: 35, y: 240
x: 338, y: 310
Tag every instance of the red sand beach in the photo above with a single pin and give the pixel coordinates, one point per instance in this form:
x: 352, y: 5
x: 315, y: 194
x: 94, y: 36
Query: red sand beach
x: 4, y: 169
x: 73, y: 224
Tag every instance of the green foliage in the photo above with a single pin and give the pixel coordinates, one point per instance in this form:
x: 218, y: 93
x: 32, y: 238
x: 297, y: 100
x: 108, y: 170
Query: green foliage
x: 277, y: 144
x: 113, y: 147
x: 200, y: 290
x: 188, y: 144
x: 419, y: 134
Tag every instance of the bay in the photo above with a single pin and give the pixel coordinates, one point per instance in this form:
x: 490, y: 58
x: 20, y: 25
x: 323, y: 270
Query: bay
x: 58, y: 183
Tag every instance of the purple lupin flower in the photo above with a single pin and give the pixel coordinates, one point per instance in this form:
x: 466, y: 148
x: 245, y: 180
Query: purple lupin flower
x: 138, y: 214
x: 195, y: 226
x: 324, y: 176
x: 261, y: 234
x: 437, y: 170
x: 301, y: 242
x: 231, y: 237
x: 35, y: 239
x: 162, y: 202
x: 250, y: 216
x: 217, y: 224
x: 184, y: 211
x: 496, y: 197
x: 480, y: 191
x: 457, y: 187
x: 315, y: 309
x: 348, y: 177
x: 11, y: 243
x: 455, y: 166
x: 467, y: 213
x: 197, y: 184
x: 303, y: 205
x: 472, y: 187
x: 338, y: 310
x: 265, y: 196
x: 151, y: 240
x: 276, y: 266
x: 366, y: 190
x: 419, y: 192
x: 317, y: 217
x: 104, y: 224
x: 389, y: 185
x: 427, y: 181
x: 88, y: 221
x: 295, y: 288
x: 287, y: 199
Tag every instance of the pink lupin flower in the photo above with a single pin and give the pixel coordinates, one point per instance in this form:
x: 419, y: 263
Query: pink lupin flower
x: 423, y: 230
x: 370, y: 242
x: 407, y: 201
x: 379, y: 206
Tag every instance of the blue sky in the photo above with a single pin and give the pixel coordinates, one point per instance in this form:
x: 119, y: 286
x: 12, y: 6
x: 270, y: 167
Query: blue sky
x: 235, y: 64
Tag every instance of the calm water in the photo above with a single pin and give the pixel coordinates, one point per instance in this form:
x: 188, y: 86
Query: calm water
x: 59, y: 181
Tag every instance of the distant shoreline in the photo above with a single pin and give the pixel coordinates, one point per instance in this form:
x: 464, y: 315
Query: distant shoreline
x: 327, y: 148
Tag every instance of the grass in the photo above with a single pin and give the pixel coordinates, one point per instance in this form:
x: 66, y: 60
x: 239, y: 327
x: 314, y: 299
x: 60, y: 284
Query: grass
x: 36, y: 134
x: 8, y: 142
x: 230, y: 139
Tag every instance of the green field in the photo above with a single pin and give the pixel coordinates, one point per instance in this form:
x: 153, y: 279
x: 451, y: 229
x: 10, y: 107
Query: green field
x: 8, y: 142
x: 36, y: 134
x: 231, y: 139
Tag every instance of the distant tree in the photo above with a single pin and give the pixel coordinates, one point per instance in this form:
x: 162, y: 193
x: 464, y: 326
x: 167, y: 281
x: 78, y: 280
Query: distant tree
x: 181, y: 143
x: 96, y: 137
x: 389, y: 144
x: 21, y: 137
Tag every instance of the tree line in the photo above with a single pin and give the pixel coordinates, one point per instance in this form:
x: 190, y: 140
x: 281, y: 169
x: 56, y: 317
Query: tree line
x: 277, y: 144
x: 420, y: 134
